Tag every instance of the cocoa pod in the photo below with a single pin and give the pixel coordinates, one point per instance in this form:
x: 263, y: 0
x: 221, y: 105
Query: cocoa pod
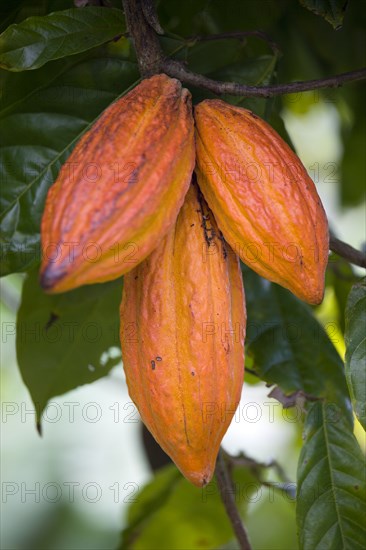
x: 121, y: 189
x: 265, y: 204
x: 182, y: 336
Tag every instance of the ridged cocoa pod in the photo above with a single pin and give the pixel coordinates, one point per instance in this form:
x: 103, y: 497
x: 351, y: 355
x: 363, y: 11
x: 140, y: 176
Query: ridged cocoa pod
x: 265, y: 204
x: 121, y: 188
x: 182, y: 336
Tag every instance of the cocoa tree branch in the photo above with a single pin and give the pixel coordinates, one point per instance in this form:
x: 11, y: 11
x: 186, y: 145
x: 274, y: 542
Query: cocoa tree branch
x: 177, y: 70
x: 140, y: 16
x: 152, y: 60
x: 227, y: 496
x: 354, y: 256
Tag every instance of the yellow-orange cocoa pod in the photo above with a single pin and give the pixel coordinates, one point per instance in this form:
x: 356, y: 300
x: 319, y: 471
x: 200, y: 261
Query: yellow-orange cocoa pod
x: 265, y: 204
x: 182, y: 336
x: 121, y: 188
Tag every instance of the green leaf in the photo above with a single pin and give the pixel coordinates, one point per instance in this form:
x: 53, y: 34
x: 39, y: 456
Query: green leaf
x: 198, y: 515
x: 356, y: 349
x: 340, y: 276
x: 290, y: 348
x: 255, y: 71
x: 44, y: 113
x: 331, y: 483
x: 38, y: 40
x: 331, y: 10
x: 64, y: 340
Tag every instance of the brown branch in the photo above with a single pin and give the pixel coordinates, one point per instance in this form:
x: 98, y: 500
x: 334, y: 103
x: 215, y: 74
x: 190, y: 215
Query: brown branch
x: 177, y: 70
x: 347, y: 251
x: 226, y: 491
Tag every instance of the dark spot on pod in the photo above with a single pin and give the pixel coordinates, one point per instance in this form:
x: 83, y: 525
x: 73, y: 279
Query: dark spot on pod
x: 158, y: 358
x: 192, y: 224
x: 193, y: 373
x: 153, y: 365
x: 136, y: 277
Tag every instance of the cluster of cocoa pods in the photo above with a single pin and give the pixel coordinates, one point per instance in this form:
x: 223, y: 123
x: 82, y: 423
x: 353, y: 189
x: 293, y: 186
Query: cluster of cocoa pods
x: 173, y: 201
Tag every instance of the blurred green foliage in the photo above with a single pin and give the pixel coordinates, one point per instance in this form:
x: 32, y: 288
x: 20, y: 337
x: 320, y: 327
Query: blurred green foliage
x: 45, y: 110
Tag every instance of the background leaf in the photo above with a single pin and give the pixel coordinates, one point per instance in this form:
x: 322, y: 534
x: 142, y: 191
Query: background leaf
x: 198, y: 515
x: 331, y: 483
x: 289, y: 347
x: 43, y: 115
x: 332, y: 10
x: 37, y: 40
x: 356, y: 349
x: 63, y: 340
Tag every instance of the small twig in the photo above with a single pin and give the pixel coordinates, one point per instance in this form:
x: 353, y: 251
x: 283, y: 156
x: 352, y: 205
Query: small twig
x: 226, y: 490
x: 296, y: 398
x: 251, y: 371
x: 347, y: 251
x: 247, y: 462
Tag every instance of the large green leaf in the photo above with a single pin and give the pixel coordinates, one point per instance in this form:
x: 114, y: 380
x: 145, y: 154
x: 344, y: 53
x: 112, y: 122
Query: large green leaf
x: 331, y: 483
x: 332, y: 10
x: 290, y: 348
x: 198, y: 515
x: 43, y: 115
x: 65, y: 340
x: 37, y: 40
x: 356, y: 349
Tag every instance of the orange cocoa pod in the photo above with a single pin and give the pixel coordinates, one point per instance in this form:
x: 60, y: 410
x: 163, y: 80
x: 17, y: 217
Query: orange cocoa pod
x: 265, y: 204
x: 182, y: 335
x: 121, y: 189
